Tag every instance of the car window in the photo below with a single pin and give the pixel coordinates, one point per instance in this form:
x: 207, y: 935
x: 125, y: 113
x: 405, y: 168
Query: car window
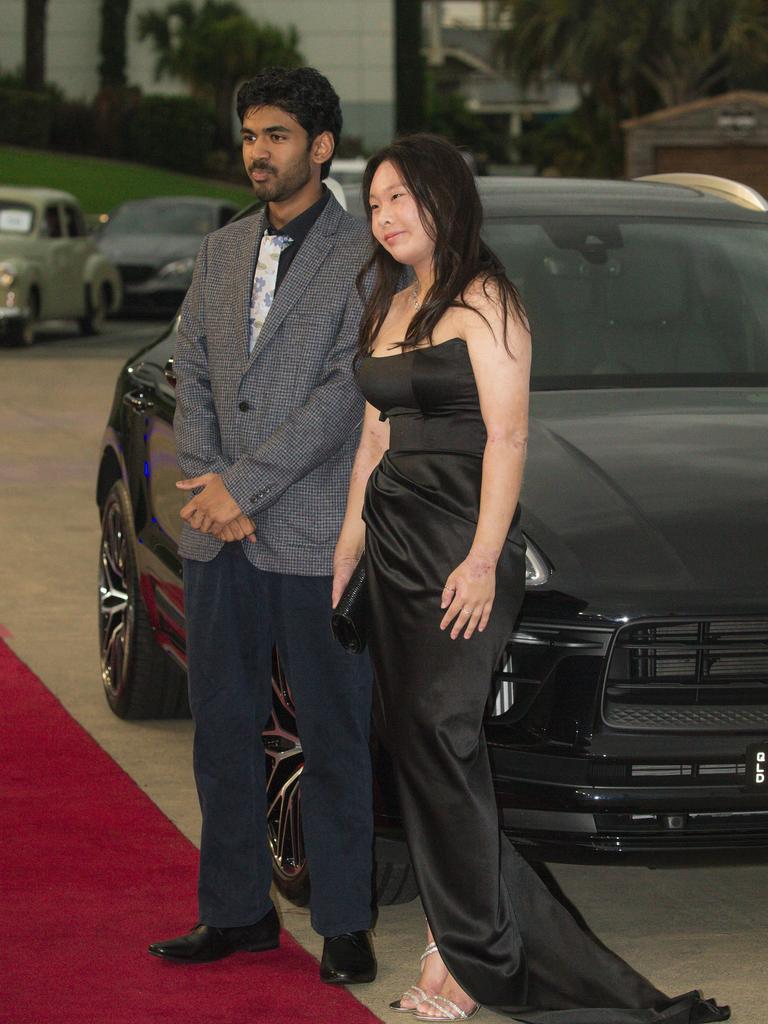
x: 16, y: 218
x: 639, y: 303
x: 51, y: 224
x: 74, y: 221
x: 160, y: 219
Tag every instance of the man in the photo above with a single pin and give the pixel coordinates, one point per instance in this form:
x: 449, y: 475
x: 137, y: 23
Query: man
x: 266, y: 426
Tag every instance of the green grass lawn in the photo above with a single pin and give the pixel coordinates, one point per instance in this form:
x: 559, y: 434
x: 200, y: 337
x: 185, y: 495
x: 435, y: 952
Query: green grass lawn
x: 101, y: 184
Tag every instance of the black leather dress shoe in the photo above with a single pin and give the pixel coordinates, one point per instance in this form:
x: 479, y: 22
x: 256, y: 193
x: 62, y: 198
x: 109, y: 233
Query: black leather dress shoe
x: 348, y: 959
x: 205, y: 943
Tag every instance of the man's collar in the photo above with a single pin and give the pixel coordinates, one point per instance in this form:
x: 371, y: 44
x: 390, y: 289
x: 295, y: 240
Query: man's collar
x: 299, y: 227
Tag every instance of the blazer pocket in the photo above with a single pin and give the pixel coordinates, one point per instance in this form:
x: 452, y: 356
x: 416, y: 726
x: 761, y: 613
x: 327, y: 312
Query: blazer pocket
x: 316, y: 319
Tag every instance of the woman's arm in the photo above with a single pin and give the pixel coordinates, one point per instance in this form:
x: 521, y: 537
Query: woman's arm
x: 374, y: 441
x: 502, y: 383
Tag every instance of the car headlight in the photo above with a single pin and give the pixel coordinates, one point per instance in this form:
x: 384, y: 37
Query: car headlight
x: 537, y: 568
x: 178, y: 268
x: 8, y: 274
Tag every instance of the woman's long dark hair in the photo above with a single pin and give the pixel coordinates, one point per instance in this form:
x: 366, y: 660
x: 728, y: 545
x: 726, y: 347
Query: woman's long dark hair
x: 440, y: 180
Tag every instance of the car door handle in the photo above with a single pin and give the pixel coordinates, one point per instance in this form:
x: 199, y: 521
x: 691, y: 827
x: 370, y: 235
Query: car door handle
x: 137, y: 401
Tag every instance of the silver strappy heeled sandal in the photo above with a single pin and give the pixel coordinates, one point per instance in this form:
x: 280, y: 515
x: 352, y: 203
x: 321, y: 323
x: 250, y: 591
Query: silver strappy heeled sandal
x: 414, y: 993
x: 449, y: 1011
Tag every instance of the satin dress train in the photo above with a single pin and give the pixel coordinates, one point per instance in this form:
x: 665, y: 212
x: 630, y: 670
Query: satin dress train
x: 508, y: 941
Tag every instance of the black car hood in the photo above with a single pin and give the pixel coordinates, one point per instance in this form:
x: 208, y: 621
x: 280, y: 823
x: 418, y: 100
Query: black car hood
x: 650, y: 502
x: 149, y: 250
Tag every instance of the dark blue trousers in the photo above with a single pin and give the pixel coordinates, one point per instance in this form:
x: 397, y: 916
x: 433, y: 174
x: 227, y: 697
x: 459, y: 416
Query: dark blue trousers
x: 235, y: 613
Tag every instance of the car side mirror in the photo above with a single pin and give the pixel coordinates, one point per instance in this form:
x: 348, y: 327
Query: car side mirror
x: 168, y: 373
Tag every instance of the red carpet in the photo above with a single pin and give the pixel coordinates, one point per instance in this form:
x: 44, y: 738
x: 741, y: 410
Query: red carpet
x: 91, y: 871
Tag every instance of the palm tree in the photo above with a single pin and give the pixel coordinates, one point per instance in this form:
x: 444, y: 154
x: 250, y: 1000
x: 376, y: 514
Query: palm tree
x: 575, y: 41
x: 629, y: 55
x: 628, y: 58
x: 213, y: 47
x: 34, y: 43
x: 112, y: 40
x: 704, y: 42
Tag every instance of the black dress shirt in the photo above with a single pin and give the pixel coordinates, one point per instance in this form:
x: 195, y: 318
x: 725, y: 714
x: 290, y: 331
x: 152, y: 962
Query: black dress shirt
x: 297, y: 229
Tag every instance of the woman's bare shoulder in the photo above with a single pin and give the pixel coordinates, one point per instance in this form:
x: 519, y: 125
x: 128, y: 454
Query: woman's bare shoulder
x: 481, y: 302
x: 482, y: 293
x: 488, y: 314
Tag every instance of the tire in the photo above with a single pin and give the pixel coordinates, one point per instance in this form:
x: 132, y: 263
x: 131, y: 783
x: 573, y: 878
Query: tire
x: 95, y: 318
x: 395, y: 882
x: 22, y: 334
x: 140, y: 680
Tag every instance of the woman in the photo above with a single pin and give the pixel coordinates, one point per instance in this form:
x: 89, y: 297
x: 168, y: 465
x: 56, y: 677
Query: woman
x: 433, y: 500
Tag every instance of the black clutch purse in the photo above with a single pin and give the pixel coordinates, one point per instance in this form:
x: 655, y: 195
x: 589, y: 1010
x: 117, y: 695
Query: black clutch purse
x: 350, y: 616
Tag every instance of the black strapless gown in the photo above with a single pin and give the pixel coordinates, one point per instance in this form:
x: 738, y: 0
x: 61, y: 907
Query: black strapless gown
x: 510, y: 943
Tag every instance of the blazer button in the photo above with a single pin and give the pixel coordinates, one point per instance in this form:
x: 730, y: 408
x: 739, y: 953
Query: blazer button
x: 244, y: 407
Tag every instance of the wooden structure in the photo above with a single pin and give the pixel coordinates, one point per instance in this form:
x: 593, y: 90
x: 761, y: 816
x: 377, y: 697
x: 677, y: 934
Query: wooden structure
x: 725, y: 135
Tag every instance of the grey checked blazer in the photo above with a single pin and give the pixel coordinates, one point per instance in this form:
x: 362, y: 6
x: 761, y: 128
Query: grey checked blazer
x: 281, y: 425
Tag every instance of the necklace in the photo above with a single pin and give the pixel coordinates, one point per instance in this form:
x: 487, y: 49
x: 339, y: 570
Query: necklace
x: 415, y: 296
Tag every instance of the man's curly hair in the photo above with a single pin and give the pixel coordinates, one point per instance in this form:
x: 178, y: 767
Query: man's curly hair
x: 302, y: 92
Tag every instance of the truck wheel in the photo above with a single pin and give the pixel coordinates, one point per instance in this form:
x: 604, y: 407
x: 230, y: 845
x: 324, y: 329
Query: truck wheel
x: 97, y: 307
x: 23, y: 332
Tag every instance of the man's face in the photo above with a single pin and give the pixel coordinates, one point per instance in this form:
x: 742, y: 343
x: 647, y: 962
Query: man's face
x: 276, y: 153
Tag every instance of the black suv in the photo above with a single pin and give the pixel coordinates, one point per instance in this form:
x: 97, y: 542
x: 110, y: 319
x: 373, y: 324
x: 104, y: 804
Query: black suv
x: 629, y: 714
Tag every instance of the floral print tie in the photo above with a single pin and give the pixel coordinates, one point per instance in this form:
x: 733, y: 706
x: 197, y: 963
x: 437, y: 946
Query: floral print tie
x: 264, y: 280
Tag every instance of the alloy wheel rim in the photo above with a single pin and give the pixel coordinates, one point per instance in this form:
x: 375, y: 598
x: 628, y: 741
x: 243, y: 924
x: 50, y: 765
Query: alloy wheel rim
x: 284, y: 764
x: 115, y: 611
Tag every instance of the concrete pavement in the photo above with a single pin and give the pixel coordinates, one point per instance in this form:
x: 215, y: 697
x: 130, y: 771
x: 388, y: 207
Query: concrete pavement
x: 703, y: 928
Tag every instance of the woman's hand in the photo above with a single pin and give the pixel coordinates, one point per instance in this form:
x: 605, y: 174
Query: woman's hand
x: 468, y: 595
x: 344, y: 564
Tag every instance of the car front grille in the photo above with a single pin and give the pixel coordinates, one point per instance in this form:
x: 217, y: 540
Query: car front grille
x: 701, y: 675
x: 135, y: 273
x: 667, y: 774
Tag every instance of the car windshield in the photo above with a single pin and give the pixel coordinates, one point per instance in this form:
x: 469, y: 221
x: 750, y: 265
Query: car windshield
x: 16, y: 218
x: 640, y: 303
x: 160, y: 219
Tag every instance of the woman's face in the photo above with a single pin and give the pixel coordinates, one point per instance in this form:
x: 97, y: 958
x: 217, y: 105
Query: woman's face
x: 395, y: 219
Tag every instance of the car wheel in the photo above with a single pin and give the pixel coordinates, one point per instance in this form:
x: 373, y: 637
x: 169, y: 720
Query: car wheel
x: 23, y: 333
x: 395, y: 882
x: 95, y: 318
x: 140, y: 680
x: 285, y: 763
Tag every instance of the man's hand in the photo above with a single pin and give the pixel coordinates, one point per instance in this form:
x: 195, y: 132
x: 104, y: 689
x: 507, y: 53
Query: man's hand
x: 241, y: 528
x: 213, y: 507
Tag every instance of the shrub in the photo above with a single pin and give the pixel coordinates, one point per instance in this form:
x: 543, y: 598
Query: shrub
x: 26, y: 118
x: 171, y: 131
x: 74, y: 128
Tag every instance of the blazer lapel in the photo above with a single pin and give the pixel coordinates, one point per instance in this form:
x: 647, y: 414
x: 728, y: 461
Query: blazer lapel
x: 307, y: 262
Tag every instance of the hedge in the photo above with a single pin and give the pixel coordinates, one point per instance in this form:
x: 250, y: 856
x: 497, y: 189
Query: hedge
x: 172, y: 131
x: 25, y: 118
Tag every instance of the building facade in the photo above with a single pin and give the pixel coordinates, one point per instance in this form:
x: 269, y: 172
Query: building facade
x: 350, y: 41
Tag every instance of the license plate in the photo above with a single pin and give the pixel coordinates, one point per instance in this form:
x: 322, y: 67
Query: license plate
x: 757, y: 766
